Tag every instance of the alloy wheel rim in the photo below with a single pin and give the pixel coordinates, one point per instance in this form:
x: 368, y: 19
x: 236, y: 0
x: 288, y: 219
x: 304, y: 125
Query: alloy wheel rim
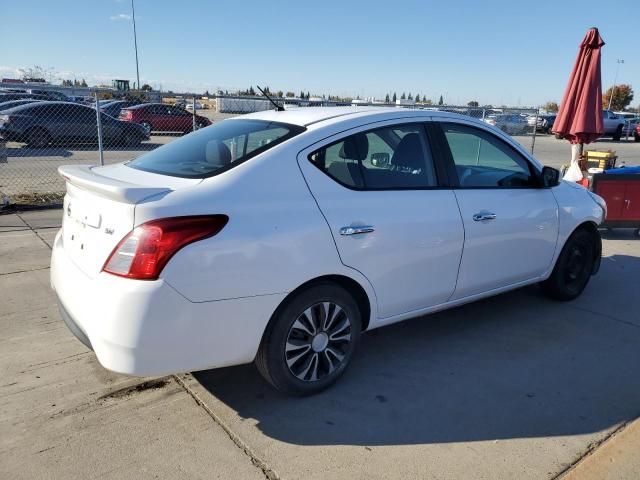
x: 318, y: 341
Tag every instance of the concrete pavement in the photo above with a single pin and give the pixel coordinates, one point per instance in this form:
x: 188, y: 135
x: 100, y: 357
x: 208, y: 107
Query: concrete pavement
x: 511, y: 387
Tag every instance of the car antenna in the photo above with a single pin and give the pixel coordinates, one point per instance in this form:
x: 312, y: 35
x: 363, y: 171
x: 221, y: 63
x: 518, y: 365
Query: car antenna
x: 279, y: 108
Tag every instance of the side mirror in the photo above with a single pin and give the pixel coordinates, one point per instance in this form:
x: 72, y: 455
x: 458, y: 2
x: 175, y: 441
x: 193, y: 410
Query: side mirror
x: 549, y: 177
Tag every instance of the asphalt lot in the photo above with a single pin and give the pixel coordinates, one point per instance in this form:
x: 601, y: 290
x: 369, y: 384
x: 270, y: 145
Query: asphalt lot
x: 31, y: 170
x: 516, y: 386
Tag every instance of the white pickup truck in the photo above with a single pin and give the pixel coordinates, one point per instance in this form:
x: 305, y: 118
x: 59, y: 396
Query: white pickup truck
x: 613, y: 124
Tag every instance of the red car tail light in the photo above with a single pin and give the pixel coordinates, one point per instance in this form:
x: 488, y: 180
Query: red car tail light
x: 126, y: 114
x: 144, y: 252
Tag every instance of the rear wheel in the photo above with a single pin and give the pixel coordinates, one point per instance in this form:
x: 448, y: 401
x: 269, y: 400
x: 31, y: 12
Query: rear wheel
x: 573, y: 267
x: 38, y: 138
x: 129, y: 139
x: 618, y: 133
x: 310, y: 340
x: 636, y: 136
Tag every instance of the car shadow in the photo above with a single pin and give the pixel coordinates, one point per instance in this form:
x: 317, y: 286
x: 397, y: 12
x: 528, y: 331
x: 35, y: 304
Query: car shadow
x: 514, y: 366
x: 619, y: 233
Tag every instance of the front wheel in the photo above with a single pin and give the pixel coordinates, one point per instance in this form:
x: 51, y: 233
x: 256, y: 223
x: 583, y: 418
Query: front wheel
x: 310, y: 341
x: 573, y: 267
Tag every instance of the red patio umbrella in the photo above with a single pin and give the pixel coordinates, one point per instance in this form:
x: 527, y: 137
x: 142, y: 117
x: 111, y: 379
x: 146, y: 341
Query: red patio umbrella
x: 579, y: 119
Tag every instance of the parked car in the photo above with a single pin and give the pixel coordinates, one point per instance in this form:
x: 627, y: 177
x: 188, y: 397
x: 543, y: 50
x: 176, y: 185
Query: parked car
x: 189, y: 106
x: 273, y: 237
x: 113, y: 108
x: 158, y: 117
x: 42, y: 123
x: 15, y: 103
x: 51, y: 95
x: 636, y: 134
x: 630, y: 125
x: 544, y: 122
x: 613, y: 124
x: 511, y: 124
x: 7, y: 97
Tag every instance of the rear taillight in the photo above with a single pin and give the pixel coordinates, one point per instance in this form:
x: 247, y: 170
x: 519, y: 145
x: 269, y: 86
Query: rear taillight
x: 126, y: 114
x: 144, y: 252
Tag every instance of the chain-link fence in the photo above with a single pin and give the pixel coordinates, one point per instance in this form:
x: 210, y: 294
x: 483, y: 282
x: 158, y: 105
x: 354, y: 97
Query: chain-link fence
x: 37, y: 136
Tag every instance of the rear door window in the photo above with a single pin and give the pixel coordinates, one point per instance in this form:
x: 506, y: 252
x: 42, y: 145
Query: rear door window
x: 215, y: 149
x: 394, y: 157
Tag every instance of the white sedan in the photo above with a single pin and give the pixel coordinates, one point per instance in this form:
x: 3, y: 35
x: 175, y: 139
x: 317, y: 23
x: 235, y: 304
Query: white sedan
x: 278, y: 237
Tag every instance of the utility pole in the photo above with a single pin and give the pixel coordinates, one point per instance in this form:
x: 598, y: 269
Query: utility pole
x: 615, y: 79
x: 135, y: 43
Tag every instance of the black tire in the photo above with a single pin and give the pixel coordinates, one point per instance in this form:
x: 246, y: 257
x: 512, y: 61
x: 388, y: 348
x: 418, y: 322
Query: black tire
x: 573, y: 267
x: 636, y: 136
x: 129, y: 139
x: 38, y: 138
x: 289, y: 357
x: 618, y: 133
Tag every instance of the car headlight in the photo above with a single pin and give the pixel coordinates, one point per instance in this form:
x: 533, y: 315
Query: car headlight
x: 601, y: 203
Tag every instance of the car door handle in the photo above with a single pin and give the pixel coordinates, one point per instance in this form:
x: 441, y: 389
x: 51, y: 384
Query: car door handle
x: 356, y: 230
x: 479, y: 217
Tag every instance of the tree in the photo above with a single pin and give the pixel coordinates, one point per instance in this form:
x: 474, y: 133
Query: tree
x: 279, y: 94
x: 427, y: 101
x: 441, y: 101
x: 395, y: 97
x: 290, y: 94
x: 410, y: 97
x: 550, y: 107
x: 403, y: 97
x: 83, y: 83
x: 386, y: 99
x: 301, y: 94
x: 308, y: 95
x: 418, y: 98
x: 147, y: 88
x: 473, y: 103
x: 36, y: 73
x: 251, y: 91
x: 67, y: 83
x: 620, y: 95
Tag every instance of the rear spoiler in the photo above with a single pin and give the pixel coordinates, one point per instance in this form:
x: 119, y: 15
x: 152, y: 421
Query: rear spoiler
x: 83, y: 176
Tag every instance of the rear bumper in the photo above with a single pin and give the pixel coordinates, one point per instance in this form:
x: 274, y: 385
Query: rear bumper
x: 148, y: 328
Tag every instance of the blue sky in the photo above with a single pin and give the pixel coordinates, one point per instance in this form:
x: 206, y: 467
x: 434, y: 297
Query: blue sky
x: 494, y: 51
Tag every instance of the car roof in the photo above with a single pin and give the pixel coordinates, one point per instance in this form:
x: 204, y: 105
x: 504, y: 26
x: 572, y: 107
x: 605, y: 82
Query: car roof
x: 324, y: 116
x: 27, y: 106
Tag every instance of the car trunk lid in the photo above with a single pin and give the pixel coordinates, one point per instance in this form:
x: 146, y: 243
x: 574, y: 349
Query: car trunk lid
x: 99, y: 208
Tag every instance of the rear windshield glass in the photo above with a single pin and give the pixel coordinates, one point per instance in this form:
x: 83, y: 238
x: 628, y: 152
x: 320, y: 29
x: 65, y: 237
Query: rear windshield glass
x: 215, y: 149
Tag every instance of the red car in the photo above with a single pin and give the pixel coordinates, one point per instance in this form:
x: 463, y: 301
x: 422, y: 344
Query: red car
x: 636, y: 134
x: 159, y: 117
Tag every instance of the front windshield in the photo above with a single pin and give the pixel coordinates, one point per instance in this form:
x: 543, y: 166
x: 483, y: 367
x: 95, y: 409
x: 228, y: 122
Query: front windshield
x: 215, y: 149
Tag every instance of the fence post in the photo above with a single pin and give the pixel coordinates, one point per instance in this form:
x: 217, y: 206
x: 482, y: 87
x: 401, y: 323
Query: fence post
x: 484, y: 111
x: 3, y: 151
x: 194, y: 113
x: 99, y: 123
x: 535, y: 129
